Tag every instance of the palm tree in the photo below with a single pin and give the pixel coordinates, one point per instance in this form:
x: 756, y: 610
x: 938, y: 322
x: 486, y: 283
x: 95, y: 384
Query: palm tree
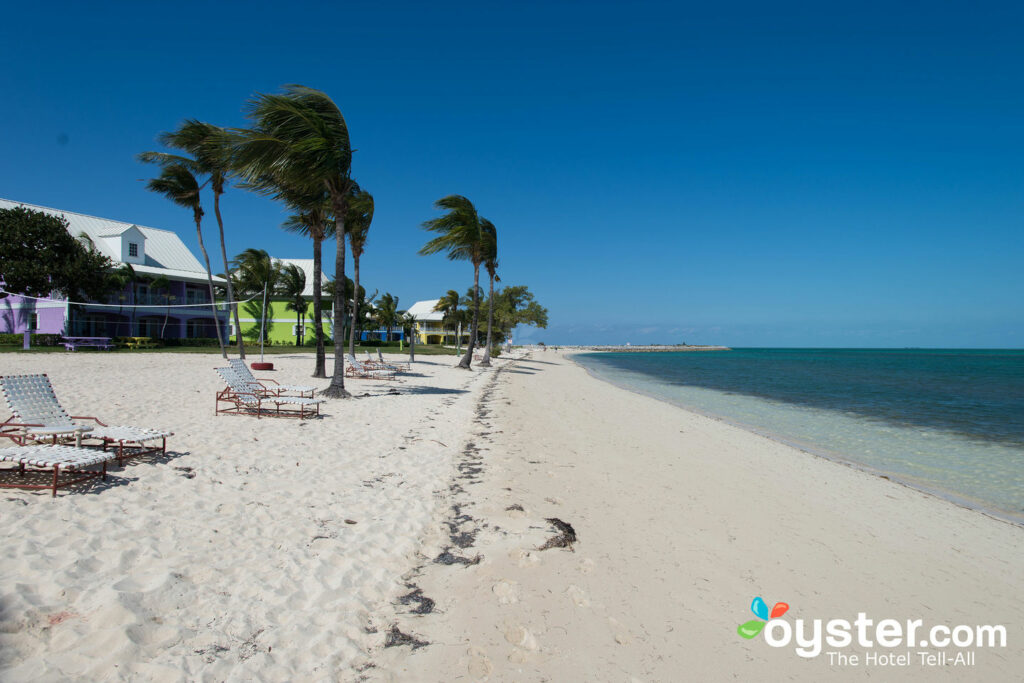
x: 162, y: 284
x: 408, y: 322
x: 130, y: 278
x: 491, y: 264
x: 313, y: 219
x: 300, y: 139
x: 256, y: 273
x: 177, y: 183
x: 461, y: 235
x: 292, y: 286
x: 359, y: 219
x: 211, y: 149
x: 448, y: 305
x: 387, y: 313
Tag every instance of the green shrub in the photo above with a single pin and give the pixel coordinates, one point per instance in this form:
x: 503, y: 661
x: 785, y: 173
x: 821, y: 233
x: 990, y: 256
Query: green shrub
x: 16, y: 339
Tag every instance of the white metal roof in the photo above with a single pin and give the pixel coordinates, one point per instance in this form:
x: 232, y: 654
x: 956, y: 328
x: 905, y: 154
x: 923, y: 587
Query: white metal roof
x: 165, y: 253
x: 306, y: 264
x: 424, y: 310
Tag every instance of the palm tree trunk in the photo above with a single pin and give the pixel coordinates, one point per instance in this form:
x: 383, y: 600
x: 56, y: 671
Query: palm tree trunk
x: 486, y: 362
x: 209, y: 279
x: 355, y: 304
x: 318, y: 317
x: 167, y: 314
x: 468, y: 358
x: 131, y: 326
x: 227, y: 275
x: 337, y: 386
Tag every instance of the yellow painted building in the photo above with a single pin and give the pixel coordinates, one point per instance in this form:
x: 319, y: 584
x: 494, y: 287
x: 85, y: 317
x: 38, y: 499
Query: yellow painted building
x: 429, y: 326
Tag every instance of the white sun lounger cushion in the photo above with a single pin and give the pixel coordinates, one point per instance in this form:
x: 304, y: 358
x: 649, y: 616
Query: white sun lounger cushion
x: 66, y: 457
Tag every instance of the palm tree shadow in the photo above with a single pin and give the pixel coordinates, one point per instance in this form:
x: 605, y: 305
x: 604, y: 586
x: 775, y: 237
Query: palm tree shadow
x: 425, y: 390
x: 153, y: 458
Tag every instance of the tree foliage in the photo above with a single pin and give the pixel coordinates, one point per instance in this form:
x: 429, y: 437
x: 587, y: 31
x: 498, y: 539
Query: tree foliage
x: 39, y: 256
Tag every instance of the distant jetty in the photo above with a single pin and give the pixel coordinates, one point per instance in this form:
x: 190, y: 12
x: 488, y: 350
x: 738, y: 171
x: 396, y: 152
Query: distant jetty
x: 641, y: 349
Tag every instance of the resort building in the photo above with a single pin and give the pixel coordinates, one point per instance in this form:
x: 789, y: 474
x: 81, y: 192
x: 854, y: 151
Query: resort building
x: 430, y: 328
x: 169, y: 298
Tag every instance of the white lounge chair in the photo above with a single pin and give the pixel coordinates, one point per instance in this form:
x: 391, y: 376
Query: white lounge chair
x: 359, y: 370
x: 274, y: 388
x: 37, y: 416
x: 242, y: 398
x: 396, y: 365
x: 56, y: 459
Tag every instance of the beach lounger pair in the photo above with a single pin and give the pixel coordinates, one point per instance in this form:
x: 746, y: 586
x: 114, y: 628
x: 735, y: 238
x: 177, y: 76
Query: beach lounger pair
x: 380, y: 363
x: 43, y: 429
x: 359, y: 370
x: 244, y: 395
x: 267, y: 386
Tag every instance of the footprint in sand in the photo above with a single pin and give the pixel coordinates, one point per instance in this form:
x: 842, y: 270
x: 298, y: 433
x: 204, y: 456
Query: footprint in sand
x: 479, y: 666
x: 578, y: 596
x: 520, y: 637
x: 586, y: 566
x: 507, y: 592
x: 619, y: 632
x: 525, y: 558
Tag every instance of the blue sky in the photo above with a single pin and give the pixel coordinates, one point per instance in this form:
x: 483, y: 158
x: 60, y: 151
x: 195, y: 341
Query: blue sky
x: 812, y: 174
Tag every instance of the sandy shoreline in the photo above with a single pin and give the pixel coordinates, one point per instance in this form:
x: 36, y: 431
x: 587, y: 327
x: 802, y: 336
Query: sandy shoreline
x: 233, y: 560
x: 813, y: 450
x: 682, y: 520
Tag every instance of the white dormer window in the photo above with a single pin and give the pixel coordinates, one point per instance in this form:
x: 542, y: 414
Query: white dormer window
x: 133, y: 249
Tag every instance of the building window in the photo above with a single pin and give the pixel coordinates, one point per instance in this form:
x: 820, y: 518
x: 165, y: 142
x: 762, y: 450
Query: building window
x: 33, y: 322
x: 133, y: 249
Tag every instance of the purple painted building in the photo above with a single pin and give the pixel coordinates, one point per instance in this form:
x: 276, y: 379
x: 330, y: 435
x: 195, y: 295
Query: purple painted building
x: 170, y: 299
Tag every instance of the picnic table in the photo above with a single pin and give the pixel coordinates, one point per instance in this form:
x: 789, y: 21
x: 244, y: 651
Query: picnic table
x: 73, y: 343
x: 139, y: 342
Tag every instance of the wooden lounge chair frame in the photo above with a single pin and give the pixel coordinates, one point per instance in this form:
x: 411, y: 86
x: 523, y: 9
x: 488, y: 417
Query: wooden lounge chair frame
x: 129, y: 441
x: 241, y: 399
x: 357, y: 369
x: 55, y: 459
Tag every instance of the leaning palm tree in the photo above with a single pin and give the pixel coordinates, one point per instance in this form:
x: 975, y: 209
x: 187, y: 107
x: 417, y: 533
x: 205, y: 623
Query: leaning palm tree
x: 292, y: 286
x: 177, y: 183
x: 210, y: 148
x: 461, y: 235
x: 491, y: 264
x: 313, y: 219
x: 360, y: 216
x: 300, y: 139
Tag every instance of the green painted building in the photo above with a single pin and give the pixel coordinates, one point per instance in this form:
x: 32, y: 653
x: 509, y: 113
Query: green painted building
x: 284, y: 326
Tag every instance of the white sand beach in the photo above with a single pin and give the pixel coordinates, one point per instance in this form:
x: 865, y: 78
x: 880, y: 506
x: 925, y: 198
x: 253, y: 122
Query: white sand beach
x: 281, y: 550
x: 258, y: 550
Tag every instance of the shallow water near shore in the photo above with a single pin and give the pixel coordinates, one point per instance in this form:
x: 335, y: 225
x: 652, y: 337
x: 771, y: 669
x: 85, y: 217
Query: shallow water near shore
x: 950, y: 422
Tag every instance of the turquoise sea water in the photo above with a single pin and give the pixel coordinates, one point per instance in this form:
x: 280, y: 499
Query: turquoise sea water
x: 946, y: 421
